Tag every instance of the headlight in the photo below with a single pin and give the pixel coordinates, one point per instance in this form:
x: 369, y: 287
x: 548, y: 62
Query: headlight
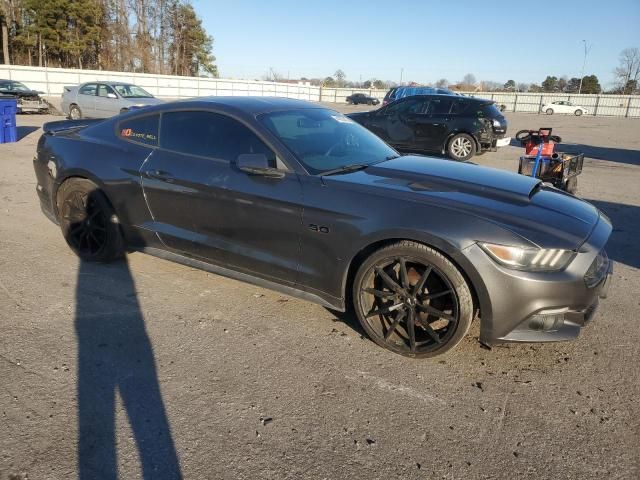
x: 496, y: 123
x: 530, y: 259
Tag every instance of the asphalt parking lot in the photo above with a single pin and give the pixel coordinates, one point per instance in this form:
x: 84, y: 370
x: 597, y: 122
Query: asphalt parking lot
x: 241, y: 382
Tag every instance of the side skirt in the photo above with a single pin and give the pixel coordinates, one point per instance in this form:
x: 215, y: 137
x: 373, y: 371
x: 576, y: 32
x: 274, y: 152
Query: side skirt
x: 333, y: 304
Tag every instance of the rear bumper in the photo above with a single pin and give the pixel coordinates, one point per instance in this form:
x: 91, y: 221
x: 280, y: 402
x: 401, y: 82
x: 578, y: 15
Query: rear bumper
x: 542, y: 306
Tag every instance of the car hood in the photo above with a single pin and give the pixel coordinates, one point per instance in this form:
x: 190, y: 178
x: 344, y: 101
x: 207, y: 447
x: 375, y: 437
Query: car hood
x: 541, y: 214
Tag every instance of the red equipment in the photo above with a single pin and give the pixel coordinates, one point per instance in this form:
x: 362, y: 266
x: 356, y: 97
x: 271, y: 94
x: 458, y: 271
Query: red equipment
x: 532, y: 139
x: 543, y: 162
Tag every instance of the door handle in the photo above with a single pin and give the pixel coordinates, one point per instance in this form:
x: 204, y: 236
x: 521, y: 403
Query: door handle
x: 160, y: 175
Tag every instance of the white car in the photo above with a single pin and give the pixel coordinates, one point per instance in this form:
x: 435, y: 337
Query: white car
x: 563, y: 107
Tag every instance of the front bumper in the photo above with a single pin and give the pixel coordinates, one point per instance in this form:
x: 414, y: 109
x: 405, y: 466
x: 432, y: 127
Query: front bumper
x: 541, y: 306
x: 503, y: 142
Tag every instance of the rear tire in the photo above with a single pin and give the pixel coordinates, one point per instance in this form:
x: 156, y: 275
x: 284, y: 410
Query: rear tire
x: 578, y: 112
x: 412, y: 300
x: 461, y: 147
x: 88, y: 221
x: 549, y: 111
x: 74, y: 112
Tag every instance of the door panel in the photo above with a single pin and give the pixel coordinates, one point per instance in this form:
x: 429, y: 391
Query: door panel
x: 400, y: 122
x: 86, y: 99
x: 106, y: 107
x: 434, y: 124
x: 208, y: 208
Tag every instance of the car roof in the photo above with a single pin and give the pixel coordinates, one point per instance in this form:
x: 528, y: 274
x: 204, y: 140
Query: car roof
x: 246, y: 105
x: 443, y: 95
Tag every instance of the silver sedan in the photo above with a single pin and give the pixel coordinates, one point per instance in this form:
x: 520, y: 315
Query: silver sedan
x: 103, y: 99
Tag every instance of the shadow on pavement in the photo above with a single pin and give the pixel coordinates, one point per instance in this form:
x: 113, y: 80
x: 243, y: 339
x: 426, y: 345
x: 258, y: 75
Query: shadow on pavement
x: 622, y: 246
x: 618, y: 155
x: 115, y: 356
x: 25, y: 131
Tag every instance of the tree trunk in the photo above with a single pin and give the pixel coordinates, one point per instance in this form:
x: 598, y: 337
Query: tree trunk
x: 5, y: 41
x: 39, y: 50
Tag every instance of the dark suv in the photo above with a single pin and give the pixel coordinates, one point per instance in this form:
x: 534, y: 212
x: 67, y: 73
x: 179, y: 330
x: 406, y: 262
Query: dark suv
x: 459, y: 126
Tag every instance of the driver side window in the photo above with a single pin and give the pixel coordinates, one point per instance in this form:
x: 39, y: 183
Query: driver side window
x: 211, y: 135
x: 407, y: 106
x: 104, y: 90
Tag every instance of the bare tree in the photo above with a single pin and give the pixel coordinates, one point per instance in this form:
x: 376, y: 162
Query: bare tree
x: 340, y: 78
x: 469, y: 79
x: 272, y: 76
x: 442, y: 83
x: 523, y: 87
x: 629, y: 69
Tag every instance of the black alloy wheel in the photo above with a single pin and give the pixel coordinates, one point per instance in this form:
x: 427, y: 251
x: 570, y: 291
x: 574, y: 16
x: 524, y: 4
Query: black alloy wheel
x: 86, y: 220
x: 412, y: 300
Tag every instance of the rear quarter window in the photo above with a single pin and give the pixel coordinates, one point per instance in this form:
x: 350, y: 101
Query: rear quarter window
x: 142, y: 129
x: 491, y: 111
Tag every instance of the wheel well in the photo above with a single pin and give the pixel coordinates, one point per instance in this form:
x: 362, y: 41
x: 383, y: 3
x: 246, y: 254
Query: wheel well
x: 78, y: 177
x: 362, y: 255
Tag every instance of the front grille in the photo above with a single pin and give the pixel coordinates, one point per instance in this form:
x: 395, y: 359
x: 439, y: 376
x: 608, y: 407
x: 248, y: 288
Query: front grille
x: 597, y: 270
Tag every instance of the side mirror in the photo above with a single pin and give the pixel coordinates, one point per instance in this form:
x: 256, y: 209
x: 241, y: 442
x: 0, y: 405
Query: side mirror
x: 257, y: 164
x: 111, y: 95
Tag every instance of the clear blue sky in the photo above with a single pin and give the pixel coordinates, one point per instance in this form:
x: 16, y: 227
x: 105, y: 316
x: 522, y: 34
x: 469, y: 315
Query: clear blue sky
x: 429, y: 39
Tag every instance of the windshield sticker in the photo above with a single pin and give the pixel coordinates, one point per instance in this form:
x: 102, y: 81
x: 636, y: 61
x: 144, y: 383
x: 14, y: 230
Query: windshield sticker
x: 341, y: 119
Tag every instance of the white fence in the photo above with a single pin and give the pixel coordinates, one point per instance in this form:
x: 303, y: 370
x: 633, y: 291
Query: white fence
x: 52, y: 80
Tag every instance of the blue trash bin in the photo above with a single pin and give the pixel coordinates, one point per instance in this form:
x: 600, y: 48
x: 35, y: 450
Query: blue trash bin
x: 8, y: 128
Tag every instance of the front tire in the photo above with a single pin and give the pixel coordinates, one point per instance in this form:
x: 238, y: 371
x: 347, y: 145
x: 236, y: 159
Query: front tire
x: 549, y: 111
x: 578, y: 112
x: 412, y: 300
x: 461, y: 147
x: 88, y: 222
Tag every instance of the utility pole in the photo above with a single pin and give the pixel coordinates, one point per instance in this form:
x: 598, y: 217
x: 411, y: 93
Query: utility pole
x: 401, y: 72
x: 587, y: 49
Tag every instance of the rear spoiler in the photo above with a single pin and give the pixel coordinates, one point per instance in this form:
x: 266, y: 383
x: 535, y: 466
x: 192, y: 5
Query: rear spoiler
x: 69, y: 88
x: 51, y: 128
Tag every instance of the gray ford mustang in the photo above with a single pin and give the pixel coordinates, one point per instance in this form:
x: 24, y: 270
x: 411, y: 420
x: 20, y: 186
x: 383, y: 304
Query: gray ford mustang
x: 298, y: 198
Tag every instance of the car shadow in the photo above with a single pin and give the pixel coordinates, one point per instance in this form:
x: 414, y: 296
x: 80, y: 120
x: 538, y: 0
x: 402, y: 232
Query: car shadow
x: 622, y: 246
x: 617, y: 155
x: 25, y: 131
x: 349, y: 318
x: 115, y: 356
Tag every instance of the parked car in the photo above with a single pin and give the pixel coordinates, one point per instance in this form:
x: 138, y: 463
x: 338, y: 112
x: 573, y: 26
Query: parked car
x: 459, y: 126
x: 103, y: 99
x: 28, y: 100
x: 295, y: 197
x: 358, y: 98
x: 563, y: 107
x: 397, y: 93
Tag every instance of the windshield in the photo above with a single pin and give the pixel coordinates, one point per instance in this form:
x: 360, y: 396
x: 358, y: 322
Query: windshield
x: 13, y: 86
x: 131, y: 91
x: 324, y: 140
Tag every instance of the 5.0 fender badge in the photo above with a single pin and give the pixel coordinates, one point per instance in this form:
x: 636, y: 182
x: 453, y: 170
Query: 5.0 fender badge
x: 318, y: 228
